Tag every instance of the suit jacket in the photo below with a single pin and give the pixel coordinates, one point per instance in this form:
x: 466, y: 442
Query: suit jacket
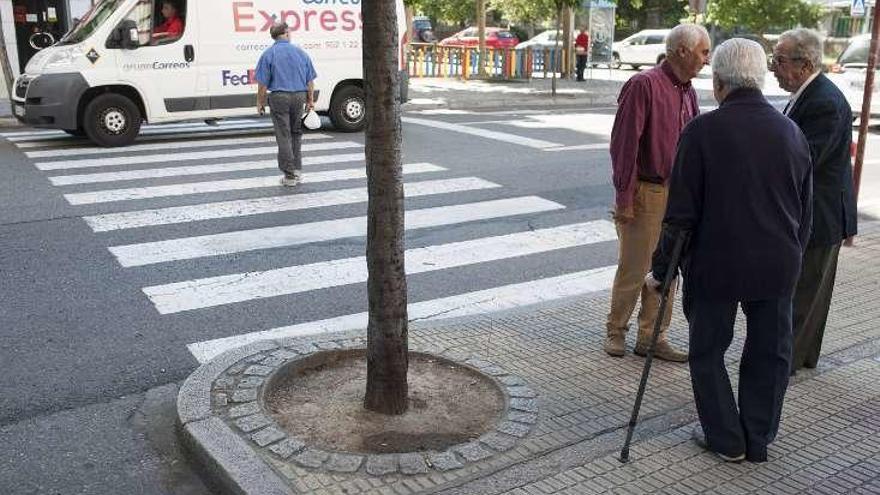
x: 824, y: 115
x: 741, y: 186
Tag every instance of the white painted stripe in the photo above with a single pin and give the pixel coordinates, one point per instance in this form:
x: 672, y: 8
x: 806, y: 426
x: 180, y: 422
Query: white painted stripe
x: 293, y: 235
x: 483, y: 133
x: 472, y: 303
x: 175, y: 145
x: 239, y: 287
x: 581, y: 147
x: 193, y: 155
x: 147, y: 129
x: 153, y: 173
x: 133, y: 193
x: 244, y: 207
x: 67, y: 143
x: 199, y: 124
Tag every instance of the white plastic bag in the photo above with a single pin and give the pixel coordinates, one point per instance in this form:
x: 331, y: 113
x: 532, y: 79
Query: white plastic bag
x: 311, y: 120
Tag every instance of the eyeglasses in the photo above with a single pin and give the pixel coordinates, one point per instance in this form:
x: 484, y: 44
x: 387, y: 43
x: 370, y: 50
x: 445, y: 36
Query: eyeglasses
x: 783, y: 60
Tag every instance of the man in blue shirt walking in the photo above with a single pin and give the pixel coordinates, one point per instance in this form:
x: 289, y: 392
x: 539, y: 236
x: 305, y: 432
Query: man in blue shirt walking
x: 286, y: 71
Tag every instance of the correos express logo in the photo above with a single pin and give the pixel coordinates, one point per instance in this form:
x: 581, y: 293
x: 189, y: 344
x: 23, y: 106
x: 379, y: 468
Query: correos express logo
x: 238, y: 79
x: 314, y: 15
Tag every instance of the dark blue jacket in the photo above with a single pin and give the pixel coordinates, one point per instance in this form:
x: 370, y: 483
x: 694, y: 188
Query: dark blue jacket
x: 741, y: 186
x: 824, y: 115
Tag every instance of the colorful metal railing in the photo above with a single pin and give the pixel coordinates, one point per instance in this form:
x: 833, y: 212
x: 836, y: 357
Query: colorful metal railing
x: 432, y: 60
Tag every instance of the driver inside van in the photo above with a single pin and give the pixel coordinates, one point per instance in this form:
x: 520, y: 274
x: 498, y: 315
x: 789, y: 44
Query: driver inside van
x: 172, y: 28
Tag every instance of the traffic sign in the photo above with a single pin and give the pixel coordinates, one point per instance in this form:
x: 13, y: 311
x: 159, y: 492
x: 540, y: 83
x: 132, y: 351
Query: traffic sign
x: 857, y: 9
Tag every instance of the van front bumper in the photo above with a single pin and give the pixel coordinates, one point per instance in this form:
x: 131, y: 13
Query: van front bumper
x: 49, y: 100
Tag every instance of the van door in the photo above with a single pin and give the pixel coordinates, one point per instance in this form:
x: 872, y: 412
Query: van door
x: 164, y: 65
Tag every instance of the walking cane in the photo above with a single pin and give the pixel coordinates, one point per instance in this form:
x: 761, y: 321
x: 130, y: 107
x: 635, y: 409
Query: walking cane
x: 664, y: 297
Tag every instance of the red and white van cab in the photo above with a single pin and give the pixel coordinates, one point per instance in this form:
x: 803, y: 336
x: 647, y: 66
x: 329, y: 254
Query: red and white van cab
x: 116, y: 69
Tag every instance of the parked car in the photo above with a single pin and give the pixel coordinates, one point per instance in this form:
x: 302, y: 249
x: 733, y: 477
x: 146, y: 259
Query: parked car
x: 646, y: 47
x: 849, y: 72
x: 423, y: 31
x: 545, y: 39
x: 495, y: 38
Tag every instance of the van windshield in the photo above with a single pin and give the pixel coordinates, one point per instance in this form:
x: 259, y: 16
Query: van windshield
x: 90, y: 21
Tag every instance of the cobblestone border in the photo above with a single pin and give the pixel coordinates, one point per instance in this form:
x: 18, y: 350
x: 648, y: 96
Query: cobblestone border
x: 229, y: 390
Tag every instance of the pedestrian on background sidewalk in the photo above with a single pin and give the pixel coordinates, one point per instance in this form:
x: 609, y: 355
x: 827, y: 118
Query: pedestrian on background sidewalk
x: 654, y: 106
x: 824, y: 115
x: 286, y: 71
x: 742, y: 187
x: 582, y: 51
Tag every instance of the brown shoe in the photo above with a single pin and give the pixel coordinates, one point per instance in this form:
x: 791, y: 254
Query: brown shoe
x: 615, y: 342
x: 663, y: 351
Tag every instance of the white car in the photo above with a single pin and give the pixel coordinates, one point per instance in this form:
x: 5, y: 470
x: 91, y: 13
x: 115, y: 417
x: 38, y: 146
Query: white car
x: 849, y: 75
x: 545, y: 39
x: 646, y: 47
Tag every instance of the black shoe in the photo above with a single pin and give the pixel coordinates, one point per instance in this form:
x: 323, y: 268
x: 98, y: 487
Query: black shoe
x: 700, y: 439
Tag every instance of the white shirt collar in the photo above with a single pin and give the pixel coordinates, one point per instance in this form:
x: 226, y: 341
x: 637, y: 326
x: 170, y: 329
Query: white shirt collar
x: 800, y: 91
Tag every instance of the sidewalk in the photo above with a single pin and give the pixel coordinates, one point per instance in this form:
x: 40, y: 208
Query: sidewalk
x: 569, y: 406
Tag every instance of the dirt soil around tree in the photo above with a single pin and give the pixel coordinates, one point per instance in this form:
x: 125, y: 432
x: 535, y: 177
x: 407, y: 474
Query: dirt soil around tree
x: 321, y: 403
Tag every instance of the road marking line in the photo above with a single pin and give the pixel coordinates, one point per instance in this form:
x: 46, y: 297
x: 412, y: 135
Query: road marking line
x: 245, y: 207
x: 193, y: 155
x: 240, y: 241
x: 59, y: 144
x: 581, y: 147
x: 183, y: 126
x: 472, y: 303
x: 153, y: 173
x: 176, y: 145
x: 483, y: 133
x: 106, y: 196
x: 240, y: 287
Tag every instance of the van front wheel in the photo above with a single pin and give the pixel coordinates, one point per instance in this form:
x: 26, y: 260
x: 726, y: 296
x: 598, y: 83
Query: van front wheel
x: 348, y: 109
x: 112, y: 120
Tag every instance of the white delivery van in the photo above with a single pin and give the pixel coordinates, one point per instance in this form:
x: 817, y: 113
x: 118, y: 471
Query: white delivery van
x: 114, y: 69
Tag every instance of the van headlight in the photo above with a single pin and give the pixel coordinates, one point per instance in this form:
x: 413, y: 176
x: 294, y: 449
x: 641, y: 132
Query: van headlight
x: 60, y: 58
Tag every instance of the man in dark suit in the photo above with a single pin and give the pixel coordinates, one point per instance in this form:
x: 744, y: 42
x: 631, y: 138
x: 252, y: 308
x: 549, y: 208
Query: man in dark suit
x: 823, y: 114
x: 741, y: 188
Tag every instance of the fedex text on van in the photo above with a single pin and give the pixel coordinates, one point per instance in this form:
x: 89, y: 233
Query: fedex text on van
x: 248, y: 19
x: 246, y: 79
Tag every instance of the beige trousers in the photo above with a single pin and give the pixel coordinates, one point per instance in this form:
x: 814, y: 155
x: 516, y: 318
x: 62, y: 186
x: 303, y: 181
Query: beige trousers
x: 637, y: 240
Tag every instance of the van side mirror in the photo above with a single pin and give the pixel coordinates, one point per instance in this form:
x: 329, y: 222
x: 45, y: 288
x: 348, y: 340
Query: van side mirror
x: 126, y: 34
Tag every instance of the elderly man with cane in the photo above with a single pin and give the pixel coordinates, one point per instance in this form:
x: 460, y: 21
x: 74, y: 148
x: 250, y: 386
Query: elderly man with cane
x: 742, y: 188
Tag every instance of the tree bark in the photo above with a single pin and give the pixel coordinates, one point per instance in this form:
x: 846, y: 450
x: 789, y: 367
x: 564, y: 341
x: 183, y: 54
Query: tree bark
x: 387, y: 331
x: 481, y: 32
x: 567, y: 53
x: 410, y: 30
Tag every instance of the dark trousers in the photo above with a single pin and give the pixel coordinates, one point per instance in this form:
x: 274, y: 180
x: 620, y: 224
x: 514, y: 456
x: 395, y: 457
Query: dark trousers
x: 287, y: 109
x: 763, y: 372
x: 812, y: 300
x: 581, y: 65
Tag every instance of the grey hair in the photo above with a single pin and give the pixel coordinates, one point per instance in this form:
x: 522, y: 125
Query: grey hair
x: 806, y: 44
x: 278, y: 29
x: 740, y: 63
x: 687, y: 35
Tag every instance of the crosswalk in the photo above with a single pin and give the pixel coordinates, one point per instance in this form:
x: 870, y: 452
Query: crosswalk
x: 201, y: 199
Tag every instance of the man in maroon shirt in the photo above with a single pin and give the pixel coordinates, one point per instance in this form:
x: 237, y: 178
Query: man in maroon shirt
x: 582, y: 50
x: 654, y: 106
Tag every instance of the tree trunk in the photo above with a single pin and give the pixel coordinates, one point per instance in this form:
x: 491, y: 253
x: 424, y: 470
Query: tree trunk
x: 481, y: 32
x: 387, y: 355
x: 8, y: 77
x: 567, y: 20
x: 410, y: 30
x: 555, y: 54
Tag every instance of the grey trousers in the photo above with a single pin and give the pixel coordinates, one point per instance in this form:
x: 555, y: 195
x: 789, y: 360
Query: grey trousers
x: 812, y: 300
x: 287, y: 110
